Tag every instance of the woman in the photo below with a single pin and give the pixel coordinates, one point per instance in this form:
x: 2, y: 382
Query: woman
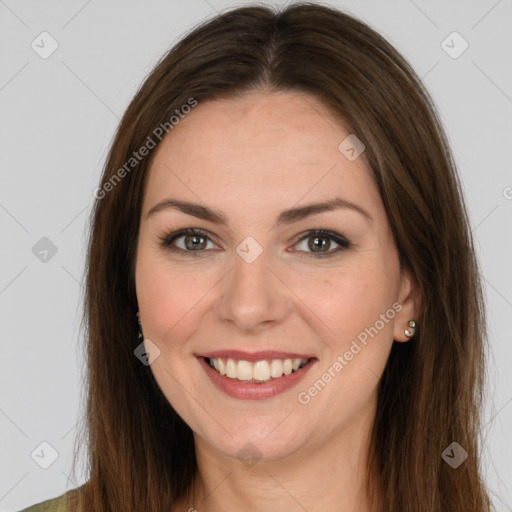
x: 281, y: 218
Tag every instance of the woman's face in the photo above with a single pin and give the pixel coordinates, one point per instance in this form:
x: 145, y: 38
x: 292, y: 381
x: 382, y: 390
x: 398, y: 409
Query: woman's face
x: 261, y: 280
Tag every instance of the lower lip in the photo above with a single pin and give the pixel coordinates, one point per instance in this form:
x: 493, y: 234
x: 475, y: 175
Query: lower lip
x: 251, y: 390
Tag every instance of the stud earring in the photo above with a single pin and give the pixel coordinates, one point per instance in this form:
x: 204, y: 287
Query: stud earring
x: 409, y: 332
x: 139, y: 328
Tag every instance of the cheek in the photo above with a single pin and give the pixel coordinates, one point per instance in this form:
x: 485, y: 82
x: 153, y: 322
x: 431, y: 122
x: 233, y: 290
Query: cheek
x: 354, y: 312
x: 168, y: 298
x: 351, y: 300
x: 356, y: 303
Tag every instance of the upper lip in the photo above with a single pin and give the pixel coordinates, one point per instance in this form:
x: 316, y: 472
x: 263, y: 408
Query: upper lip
x: 254, y: 356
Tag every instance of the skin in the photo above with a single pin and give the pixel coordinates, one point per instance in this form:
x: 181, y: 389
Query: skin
x: 252, y: 157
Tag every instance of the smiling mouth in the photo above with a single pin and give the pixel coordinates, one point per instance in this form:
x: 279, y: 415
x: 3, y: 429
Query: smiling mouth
x: 257, y: 372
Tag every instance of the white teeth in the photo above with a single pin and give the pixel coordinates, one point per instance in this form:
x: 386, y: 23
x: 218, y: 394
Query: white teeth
x: 276, y: 368
x: 244, y: 370
x: 220, y: 366
x: 231, y: 369
x: 260, y: 371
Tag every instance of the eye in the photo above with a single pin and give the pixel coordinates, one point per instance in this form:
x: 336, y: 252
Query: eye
x: 195, y: 241
x: 319, y: 239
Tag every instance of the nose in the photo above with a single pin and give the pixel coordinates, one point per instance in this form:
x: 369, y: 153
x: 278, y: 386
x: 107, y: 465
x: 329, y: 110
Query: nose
x: 253, y: 296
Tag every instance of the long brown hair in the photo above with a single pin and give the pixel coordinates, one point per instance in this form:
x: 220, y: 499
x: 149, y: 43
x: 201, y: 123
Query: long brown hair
x: 140, y: 452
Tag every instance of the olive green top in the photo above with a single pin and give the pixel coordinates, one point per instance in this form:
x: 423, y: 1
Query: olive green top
x: 57, y: 504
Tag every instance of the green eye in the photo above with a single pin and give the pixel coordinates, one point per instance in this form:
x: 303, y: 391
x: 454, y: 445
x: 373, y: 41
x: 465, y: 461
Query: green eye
x: 196, y: 240
x: 322, y: 239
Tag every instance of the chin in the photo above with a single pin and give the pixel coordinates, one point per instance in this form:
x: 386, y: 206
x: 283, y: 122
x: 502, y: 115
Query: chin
x: 253, y: 444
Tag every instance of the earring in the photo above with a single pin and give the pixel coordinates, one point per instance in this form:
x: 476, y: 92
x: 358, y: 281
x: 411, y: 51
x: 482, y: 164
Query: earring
x: 411, y: 330
x: 139, y: 328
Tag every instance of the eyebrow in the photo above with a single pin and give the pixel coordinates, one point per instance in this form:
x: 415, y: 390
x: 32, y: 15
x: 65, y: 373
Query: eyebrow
x: 286, y: 217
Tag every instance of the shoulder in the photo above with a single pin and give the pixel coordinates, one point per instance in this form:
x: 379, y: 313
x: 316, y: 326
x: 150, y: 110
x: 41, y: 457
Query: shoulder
x: 58, y: 504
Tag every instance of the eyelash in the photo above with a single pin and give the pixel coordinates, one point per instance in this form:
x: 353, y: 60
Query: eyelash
x: 167, y: 240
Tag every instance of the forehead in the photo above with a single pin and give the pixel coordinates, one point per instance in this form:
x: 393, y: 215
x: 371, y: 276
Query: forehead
x: 260, y: 150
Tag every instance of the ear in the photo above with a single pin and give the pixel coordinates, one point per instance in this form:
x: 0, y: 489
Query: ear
x: 410, y: 300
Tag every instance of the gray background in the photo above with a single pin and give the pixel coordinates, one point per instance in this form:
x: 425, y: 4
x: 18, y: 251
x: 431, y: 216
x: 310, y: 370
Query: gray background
x: 58, y: 116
